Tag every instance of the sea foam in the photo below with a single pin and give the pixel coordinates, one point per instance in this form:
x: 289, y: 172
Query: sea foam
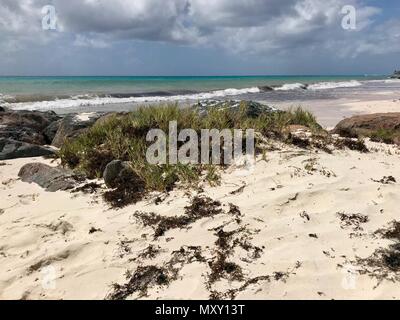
x: 83, y: 101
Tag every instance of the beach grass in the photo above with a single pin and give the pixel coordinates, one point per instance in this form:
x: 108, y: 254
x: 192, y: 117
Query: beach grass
x: 387, y: 136
x: 123, y: 137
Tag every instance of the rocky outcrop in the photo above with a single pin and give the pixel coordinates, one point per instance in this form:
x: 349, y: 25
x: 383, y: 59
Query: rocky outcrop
x: 368, y: 122
x: 72, y: 125
x: 26, y: 126
x: 51, y: 130
x: 12, y: 149
x: 371, y: 125
x: 253, y: 109
x: 50, y: 178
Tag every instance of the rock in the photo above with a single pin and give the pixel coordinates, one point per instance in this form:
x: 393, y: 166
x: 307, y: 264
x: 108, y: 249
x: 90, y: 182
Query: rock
x: 365, y: 125
x: 50, y: 178
x: 254, y: 109
x: 395, y: 75
x: 266, y: 88
x: 118, y: 172
x: 12, y: 149
x: 72, y: 125
x: 26, y: 126
x: 3, y: 109
x: 50, y: 132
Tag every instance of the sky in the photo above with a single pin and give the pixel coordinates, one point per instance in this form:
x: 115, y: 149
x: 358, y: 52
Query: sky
x: 198, y: 37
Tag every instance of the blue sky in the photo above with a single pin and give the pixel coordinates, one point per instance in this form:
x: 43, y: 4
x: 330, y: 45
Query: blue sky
x: 199, y: 37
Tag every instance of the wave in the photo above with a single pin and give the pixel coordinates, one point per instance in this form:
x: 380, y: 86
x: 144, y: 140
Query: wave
x: 318, y: 86
x: 334, y: 85
x: 48, y: 102
x: 291, y: 86
x: 90, y: 100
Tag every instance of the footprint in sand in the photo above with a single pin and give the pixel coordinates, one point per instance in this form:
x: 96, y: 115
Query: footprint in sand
x: 27, y: 199
x: 9, y: 182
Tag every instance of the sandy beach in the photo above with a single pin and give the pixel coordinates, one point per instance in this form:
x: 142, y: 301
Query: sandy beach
x: 298, y: 216
x: 330, y: 111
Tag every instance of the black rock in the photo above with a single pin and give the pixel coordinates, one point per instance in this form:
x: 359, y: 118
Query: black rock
x: 50, y: 132
x: 72, y: 125
x: 26, y: 126
x: 50, y: 178
x: 266, y: 88
x: 12, y: 149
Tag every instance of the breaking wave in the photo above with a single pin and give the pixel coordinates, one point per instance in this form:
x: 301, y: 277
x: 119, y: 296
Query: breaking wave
x: 46, y: 102
x: 334, y: 85
x: 90, y: 100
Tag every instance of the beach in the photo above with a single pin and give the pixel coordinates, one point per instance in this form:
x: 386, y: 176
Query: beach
x: 289, y: 211
x: 302, y: 223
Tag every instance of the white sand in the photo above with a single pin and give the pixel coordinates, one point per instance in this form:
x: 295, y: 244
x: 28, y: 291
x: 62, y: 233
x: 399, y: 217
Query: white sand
x: 330, y: 111
x: 377, y: 106
x: 50, y: 231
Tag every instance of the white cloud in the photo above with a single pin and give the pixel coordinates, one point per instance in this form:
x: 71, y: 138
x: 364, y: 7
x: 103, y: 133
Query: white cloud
x: 250, y: 27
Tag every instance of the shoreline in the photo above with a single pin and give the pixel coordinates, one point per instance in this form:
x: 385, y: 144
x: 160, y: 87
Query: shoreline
x: 329, y: 112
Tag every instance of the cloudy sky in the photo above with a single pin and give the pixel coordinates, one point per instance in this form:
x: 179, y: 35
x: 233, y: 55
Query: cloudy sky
x: 199, y: 37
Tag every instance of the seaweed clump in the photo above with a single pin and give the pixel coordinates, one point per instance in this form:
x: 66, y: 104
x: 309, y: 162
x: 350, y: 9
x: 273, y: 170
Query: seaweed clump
x: 200, y: 207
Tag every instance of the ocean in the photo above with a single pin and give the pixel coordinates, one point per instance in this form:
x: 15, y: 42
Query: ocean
x: 47, y: 93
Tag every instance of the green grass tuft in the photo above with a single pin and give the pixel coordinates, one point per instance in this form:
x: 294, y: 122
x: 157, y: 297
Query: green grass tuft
x: 123, y: 137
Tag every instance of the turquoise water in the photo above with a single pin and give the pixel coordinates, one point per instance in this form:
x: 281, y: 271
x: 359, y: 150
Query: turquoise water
x: 76, y: 92
x: 48, y: 86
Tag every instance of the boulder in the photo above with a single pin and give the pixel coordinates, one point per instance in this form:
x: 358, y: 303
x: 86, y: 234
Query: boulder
x: 50, y: 178
x: 266, y: 88
x: 119, y: 172
x: 72, y: 125
x: 364, y: 125
x: 253, y: 109
x: 3, y: 109
x: 51, y: 130
x: 26, y: 126
x: 12, y: 149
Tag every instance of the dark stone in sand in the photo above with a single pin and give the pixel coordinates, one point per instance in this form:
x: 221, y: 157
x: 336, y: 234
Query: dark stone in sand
x: 50, y: 178
x: 12, y: 149
x: 365, y: 125
x: 71, y: 126
x: 254, y: 109
x: 26, y: 126
x: 117, y: 171
x: 50, y: 132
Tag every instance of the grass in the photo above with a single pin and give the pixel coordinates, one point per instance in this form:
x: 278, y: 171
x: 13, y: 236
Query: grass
x: 385, y: 135
x: 123, y: 137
